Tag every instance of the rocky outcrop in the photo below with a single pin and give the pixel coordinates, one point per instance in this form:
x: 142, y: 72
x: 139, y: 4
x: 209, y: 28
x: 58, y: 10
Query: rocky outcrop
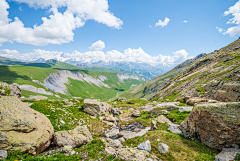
x: 10, y: 90
x: 215, y: 124
x: 227, y: 154
x: 22, y: 128
x: 94, y: 107
x: 76, y: 137
x: 135, y: 154
x: 35, y: 89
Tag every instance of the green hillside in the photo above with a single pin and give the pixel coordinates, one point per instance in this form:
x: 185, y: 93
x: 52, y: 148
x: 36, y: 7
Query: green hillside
x: 26, y: 74
x: 149, y: 88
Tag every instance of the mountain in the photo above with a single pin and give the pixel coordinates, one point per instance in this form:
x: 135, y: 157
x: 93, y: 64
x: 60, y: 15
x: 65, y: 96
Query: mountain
x: 54, y: 82
x: 149, y: 88
x: 144, y: 70
x: 213, y: 76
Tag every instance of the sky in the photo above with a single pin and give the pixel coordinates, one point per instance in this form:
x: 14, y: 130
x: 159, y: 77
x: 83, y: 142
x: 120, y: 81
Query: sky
x: 153, y: 31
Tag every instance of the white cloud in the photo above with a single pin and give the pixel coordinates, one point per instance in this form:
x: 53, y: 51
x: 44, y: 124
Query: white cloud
x: 99, y: 45
x: 219, y: 29
x: 129, y: 55
x: 235, y: 12
x: 163, y: 23
x: 58, y: 28
x: 185, y: 21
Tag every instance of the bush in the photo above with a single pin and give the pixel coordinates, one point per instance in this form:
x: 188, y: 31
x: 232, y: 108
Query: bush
x: 7, y: 91
x: 182, y: 100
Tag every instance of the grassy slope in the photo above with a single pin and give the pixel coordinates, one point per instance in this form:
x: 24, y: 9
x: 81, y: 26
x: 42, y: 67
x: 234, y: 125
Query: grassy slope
x: 147, y: 89
x: 25, y: 75
x: 219, y: 65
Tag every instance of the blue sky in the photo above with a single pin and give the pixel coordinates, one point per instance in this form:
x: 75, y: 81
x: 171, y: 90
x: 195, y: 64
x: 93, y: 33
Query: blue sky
x: 120, y: 25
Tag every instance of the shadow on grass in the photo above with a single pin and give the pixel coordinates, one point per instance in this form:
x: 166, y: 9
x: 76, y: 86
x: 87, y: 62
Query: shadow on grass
x: 8, y: 76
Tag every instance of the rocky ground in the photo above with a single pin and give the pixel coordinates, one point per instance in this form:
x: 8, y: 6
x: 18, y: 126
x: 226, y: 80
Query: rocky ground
x: 78, y: 129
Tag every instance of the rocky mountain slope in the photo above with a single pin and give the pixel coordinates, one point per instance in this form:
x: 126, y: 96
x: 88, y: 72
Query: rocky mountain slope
x: 68, y: 83
x: 148, y: 89
x: 213, y: 76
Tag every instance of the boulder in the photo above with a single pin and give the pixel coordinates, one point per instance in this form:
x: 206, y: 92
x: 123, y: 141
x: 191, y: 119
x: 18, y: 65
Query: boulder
x: 162, y: 120
x: 22, y: 128
x: 76, y: 137
x: 163, y: 148
x: 113, y: 132
x: 111, y: 143
x: 175, y: 129
x: 194, y: 100
x: 94, y: 107
x: 145, y: 146
x: 115, y: 111
x: 134, y: 154
x: 227, y: 154
x: 215, y: 124
x: 110, y: 150
x: 3, y: 154
x: 110, y: 118
x: 129, y: 134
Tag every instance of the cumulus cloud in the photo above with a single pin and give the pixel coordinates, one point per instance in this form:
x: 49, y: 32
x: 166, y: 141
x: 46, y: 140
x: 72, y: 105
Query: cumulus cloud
x: 99, y: 45
x: 58, y: 28
x: 185, y: 21
x: 235, y: 12
x: 129, y: 55
x: 220, y: 30
x: 163, y: 23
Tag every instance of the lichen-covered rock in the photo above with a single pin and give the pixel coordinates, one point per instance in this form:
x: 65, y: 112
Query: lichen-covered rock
x: 175, y: 129
x: 134, y: 154
x: 215, y: 124
x: 227, y: 154
x: 94, y: 107
x: 136, y: 113
x: 163, y: 148
x: 145, y: 146
x: 3, y: 154
x: 111, y: 143
x: 76, y: 137
x: 22, y: 128
x: 10, y: 90
x: 111, y: 133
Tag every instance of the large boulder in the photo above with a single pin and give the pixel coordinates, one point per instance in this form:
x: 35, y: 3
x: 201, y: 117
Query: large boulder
x: 135, y: 154
x: 94, y: 107
x: 227, y: 154
x: 22, y: 128
x: 76, y: 137
x: 215, y: 124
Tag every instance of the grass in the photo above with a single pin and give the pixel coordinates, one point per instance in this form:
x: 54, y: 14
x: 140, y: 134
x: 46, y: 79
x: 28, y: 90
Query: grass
x: 171, y: 97
x: 179, y: 147
x: 176, y: 116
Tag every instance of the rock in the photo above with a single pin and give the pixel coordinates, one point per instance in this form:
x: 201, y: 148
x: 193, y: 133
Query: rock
x: 157, y: 111
x: 129, y: 134
x: 34, y: 89
x: 148, y: 107
x: 131, y: 109
x: 182, y: 109
x: 121, y: 99
x: 215, y: 124
x: 113, y: 132
x: 76, y: 137
x: 194, y: 100
x: 110, y: 123
x: 94, y: 107
x: 162, y: 148
x: 110, y: 150
x: 175, y: 129
x: 145, y: 146
x: 110, y: 118
x: 68, y: 104
x: 227, y: 154
x: 111, y: 143
x: 37, y: 98
x: 22, y: 128
x: 3, y: 154
x: 67, y: 148
x: 125, y: 116
x: 121, y: 139
x: 154, y: 101
x: 114, y: 103
x: 136, y: 113
x: 134, y: 154
x: 13, y: 89
x: 115, y: 111
x: 162, y: 120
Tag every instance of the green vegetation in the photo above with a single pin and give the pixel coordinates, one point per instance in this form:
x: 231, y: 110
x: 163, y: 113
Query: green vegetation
x: 182, y: 100
x: 179, y: 147
x: 237, y: 157
x: 176, y: 116
x: 170, y: 98
x: 201, y: 90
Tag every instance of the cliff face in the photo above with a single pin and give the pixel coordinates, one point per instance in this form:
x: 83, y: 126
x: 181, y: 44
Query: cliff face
x: 213, y: 76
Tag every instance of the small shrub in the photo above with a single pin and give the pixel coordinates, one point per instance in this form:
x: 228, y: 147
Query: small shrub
x: 182, y: 100
x: 7, y: 91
